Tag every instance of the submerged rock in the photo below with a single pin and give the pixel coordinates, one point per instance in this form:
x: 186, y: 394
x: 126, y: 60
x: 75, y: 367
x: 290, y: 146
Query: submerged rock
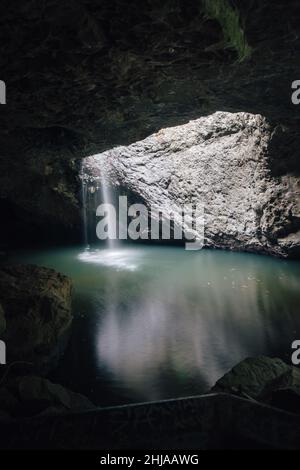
x: 224, y: 161
x: 31, y: 395
x: 265, y: 379
x: 37, y: 305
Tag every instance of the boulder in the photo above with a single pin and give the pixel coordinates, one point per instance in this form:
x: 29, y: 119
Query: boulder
x: 251, y: 376
x: 37, y: 305
x: 265, y: 379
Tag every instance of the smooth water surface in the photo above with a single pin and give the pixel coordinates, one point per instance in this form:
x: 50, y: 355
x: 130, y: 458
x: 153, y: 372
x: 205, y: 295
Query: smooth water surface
x: 159, y: 322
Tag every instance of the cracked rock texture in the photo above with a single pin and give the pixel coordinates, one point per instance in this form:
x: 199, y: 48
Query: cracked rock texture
x: 224, y: 161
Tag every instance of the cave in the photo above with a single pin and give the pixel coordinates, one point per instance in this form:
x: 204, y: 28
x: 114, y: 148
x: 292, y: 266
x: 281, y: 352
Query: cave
x: 150, y: 236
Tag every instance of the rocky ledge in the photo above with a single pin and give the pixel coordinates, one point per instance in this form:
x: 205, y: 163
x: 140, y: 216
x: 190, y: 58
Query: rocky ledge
x: 30, y: 395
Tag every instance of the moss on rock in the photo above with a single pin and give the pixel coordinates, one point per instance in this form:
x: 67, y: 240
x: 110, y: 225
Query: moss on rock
x: 230, y: 22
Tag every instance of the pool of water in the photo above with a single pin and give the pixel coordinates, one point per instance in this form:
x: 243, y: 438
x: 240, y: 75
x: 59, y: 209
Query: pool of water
x: 155, y: 322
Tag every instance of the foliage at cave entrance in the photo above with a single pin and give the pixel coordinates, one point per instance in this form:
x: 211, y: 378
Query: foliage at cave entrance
x: 229, y: 19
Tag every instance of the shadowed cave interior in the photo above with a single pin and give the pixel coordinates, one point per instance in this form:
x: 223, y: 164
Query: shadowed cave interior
x: 166, y: 103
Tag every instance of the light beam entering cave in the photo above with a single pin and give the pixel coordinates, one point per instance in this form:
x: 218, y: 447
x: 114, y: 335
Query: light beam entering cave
x: 95, y: 193
x: 107, y: 200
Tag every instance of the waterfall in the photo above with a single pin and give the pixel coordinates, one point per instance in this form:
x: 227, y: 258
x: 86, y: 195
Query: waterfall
x: 95, y: 190
x: 84, y: 208
x: 107, y: 198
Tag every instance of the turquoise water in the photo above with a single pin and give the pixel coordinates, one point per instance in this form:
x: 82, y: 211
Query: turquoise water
x: 160, y: 322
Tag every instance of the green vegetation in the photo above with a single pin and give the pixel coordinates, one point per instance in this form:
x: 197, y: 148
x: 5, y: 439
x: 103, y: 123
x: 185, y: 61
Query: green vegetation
x: 229, y: 19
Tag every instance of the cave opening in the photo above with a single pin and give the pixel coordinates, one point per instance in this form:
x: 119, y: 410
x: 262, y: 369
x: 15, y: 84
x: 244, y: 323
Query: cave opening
x: 129, y: 338
x: 221, y: 164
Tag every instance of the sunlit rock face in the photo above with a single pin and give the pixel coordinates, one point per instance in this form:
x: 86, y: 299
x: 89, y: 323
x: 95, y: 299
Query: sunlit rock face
x: 224, y: 161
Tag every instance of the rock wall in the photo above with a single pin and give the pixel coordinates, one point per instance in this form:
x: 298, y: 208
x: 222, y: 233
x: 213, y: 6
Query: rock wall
x: 224, y: 161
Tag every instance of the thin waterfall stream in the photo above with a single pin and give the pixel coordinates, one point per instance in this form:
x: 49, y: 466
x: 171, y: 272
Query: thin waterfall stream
x: 84, y: 208
x: 98, y: 192
x: 107, y: 199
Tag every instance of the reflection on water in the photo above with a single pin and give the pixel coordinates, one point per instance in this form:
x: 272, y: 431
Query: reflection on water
x: 155, y: 322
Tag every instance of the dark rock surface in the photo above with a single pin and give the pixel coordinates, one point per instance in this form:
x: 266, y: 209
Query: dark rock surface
x: 84, y: 76
x: 31, y: 395
x: 2, y: 320
x: 218, y: 420
x: 37, y: 306
x: 251, y: 376
x: 222, y: 161
x: 215, y: 421
x: 284, y: 391
x: 265, y: 379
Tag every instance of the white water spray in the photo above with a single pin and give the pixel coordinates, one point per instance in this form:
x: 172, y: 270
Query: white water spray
x: 84, y: 208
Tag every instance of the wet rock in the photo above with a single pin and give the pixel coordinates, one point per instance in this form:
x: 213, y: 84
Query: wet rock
x: 223, y: 162
x: 31, y: 395
x: 37, y: 305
